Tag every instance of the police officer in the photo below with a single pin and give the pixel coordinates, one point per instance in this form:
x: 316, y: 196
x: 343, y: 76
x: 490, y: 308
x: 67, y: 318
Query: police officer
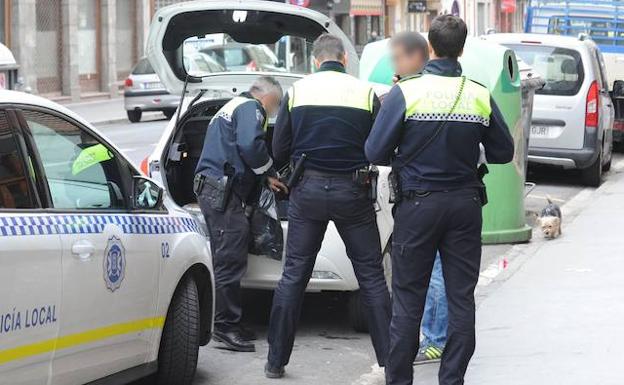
x: 233, y: 157
x: 327, y: 116
x: 437, y: 121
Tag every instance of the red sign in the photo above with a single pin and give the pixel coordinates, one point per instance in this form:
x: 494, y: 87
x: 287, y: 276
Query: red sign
x: 301, y: 3
x: 508, y: 6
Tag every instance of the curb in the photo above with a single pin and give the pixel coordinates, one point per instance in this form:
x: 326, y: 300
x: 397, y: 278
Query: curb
x: 110, y: 121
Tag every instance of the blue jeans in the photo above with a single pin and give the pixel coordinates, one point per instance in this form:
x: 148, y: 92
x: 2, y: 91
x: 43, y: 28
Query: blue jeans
x: 435, y: 317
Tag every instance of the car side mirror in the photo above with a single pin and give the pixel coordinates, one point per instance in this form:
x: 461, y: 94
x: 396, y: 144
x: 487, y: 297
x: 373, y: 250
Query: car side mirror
x: 618, y: 88
x: 147, y: 195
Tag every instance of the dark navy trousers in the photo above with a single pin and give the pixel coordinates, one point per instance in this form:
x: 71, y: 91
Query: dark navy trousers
x: 314, y: 202
x: 229, y: 243
x: 451, y: 223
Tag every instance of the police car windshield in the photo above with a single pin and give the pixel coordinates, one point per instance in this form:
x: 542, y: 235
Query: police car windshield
x: 220, y: 53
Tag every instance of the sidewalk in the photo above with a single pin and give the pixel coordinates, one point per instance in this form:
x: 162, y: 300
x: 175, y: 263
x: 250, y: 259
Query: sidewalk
x: 558, y: 319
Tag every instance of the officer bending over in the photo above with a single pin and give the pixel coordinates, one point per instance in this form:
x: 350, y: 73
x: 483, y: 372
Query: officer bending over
x: 327, y: 116
x: 437, y: 121
x: 233, y: 157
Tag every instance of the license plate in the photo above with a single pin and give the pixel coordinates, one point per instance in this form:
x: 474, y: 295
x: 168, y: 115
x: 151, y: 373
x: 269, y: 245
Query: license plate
x: 540, y: 131
x: 153, y: 85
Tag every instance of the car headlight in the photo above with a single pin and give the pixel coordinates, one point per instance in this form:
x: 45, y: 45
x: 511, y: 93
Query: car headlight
x: 317, y: 274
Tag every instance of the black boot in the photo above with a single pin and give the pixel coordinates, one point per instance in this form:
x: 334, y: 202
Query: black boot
x: 273, y: 372
x: 233, y: 340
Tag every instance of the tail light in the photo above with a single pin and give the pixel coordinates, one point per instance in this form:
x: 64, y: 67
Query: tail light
x: 143, y: 167
x: 593, y: 106
x: 128, y: 82
x: 252, y: 66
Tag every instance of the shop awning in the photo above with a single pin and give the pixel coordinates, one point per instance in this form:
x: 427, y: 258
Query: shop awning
x: 366, y: 7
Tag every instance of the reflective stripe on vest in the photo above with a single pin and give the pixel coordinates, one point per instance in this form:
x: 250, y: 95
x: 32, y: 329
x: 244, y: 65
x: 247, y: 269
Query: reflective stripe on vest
x: 331, y: 89
x: 228, y: 109
x: 431, y: 97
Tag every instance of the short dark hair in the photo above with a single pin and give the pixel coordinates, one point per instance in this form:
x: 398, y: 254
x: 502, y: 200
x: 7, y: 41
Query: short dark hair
x: 328, y: 47
x: 447, y: 36
x: 411, y: 42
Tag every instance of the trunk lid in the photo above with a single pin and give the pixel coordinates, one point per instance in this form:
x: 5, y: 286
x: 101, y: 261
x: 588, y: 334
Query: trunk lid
x: 236, y: 35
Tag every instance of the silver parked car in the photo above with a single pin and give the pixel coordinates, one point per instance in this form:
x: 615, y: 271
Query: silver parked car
x: 143, y: 91
x: 573, y: 114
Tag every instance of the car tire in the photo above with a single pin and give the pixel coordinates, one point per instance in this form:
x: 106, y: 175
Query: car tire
x: 607, y: 166
x: 169, y: 113
x: 179, y: 343
x: 592, y: 175
x: 357, y: 314
x: 134, y: 116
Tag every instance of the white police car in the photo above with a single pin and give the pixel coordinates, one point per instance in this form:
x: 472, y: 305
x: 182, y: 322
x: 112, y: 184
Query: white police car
x: 103, y: 278
x: 210, y: 27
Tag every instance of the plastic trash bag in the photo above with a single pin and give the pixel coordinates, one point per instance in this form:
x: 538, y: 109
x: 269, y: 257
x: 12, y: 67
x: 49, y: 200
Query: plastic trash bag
x: 267, y: 237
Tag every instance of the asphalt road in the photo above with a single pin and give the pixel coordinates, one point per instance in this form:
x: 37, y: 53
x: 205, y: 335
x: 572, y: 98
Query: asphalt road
x: 327, y: 350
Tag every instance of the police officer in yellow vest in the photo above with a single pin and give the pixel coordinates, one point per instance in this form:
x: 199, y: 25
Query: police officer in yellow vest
x: 233, y: 160
x: 325, y: 119
x: 437, y: 121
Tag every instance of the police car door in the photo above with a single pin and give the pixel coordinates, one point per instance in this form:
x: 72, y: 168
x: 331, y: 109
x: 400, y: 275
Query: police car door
x: 30, y: 260
x: 108, y: 282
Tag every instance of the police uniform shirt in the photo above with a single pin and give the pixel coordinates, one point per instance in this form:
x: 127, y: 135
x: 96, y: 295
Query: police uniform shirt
x: 236, y: 136
x: 412, y: 111
x: 327, y: 115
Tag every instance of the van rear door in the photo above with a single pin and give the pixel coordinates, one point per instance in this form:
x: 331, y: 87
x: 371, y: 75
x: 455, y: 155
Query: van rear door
x: 559, y: 107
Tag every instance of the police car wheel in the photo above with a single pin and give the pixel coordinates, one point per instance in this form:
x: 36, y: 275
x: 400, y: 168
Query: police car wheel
x: 179, y: 344
x: 134, y: 116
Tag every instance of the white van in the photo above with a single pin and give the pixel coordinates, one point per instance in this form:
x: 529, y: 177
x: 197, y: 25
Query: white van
x: 174, y: 160
x: 573, y: 114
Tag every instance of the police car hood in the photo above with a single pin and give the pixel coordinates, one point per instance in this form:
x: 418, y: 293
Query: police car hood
x: 248, y: 21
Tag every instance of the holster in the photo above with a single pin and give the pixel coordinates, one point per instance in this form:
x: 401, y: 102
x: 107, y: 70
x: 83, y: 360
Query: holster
x: 367, y: 177
x: 219, y: 190
x: 394, y: 187
x: 482, y: 171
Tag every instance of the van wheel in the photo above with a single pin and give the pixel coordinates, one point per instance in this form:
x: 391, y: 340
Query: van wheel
x: 134, y: 116
x: 179, y: 344
x: 169, y: 113
x: 357, y: 314
x: 592, y: 176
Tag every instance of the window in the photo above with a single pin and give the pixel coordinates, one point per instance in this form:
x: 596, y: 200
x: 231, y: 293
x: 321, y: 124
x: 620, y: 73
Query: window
x: 143, y: 67
x: 14, y: 188
x: 81, y: 172
x: 562, y: 68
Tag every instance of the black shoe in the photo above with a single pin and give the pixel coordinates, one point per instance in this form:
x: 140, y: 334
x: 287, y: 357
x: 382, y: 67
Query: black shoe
x: 233, y: 341
x: 246, y: 333
x: 273, y: 372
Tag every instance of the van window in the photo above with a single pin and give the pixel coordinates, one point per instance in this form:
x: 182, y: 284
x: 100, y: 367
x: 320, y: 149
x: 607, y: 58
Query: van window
x: 143, y: 67
x: 561, y: 68
x: 81, y: 172
x: 14, y: 188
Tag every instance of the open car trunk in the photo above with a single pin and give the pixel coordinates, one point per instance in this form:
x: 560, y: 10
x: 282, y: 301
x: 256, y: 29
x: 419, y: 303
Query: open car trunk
x: 185, y: 149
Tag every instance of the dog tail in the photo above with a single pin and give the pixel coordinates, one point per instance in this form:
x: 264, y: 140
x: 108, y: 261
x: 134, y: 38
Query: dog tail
x: 549, y: 199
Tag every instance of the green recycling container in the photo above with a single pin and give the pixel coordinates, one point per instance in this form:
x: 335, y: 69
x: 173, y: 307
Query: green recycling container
x: 496, y: 68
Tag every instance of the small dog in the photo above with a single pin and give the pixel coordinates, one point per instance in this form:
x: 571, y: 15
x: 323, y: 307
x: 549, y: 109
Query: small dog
x: 550, y: 220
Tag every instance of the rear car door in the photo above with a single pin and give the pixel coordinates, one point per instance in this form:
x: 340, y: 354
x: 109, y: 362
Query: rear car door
x: 559, y: 107
x: 109, y: 277
x: 30, y: 256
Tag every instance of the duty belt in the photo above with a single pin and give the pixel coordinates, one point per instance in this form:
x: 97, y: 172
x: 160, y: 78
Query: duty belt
x: 329, y: 174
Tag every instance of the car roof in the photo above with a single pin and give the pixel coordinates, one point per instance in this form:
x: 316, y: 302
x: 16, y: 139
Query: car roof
x: 16, y: 97
x: 556, y: 40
